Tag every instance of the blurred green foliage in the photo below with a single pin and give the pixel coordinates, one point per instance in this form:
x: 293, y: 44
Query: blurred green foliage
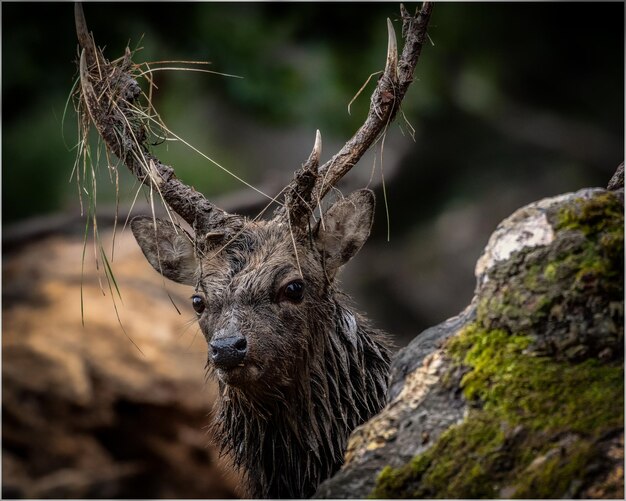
x: 302, y: 63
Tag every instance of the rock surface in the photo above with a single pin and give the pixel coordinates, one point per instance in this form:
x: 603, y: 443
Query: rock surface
x: 85, y: 412
x: 522, y: 394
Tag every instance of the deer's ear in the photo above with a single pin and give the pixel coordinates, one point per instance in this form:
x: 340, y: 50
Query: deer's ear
x: 344, y: 228
x: 168, y: 248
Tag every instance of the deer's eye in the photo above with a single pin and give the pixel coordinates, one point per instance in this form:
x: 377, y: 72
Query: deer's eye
x: 293, y: 291
x: 198, y: 303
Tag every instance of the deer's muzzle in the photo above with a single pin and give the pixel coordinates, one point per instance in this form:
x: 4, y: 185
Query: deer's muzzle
x: 228, y: 352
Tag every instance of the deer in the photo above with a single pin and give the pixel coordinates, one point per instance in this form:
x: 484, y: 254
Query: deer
x: 297, y: 366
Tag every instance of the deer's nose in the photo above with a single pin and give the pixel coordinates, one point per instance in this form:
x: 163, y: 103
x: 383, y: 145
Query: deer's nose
x: 228, y: 352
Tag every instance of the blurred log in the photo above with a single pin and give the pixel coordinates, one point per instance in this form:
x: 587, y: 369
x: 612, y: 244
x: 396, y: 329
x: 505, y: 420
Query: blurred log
x: 85, y: 413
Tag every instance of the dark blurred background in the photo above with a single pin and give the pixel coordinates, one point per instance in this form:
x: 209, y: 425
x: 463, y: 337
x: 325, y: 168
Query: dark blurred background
x: 511, y: 103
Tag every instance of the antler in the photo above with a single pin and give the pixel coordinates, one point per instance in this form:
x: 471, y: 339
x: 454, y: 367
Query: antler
x: 110, y: 94
x: 311, y: 183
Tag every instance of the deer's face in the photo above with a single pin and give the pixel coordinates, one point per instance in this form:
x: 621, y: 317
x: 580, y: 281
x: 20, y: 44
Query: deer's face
x: 255, y: 302
x: 263, y: 298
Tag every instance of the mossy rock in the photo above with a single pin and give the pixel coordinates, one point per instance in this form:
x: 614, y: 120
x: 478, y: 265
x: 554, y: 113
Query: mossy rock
x: 540, y: 365
x: 535, y: 430
x: 567, y: 295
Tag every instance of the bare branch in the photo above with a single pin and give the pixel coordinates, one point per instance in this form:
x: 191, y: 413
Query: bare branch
x: 109, y: 96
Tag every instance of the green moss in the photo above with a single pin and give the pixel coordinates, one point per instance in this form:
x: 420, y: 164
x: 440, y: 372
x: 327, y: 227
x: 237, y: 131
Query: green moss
x: 556, y: 471
x: 538, y: 392
x: 601, y: 220
x: 567, y: 287
x: 550, y: 271
x: 591, y: 215
x: 522, y: 407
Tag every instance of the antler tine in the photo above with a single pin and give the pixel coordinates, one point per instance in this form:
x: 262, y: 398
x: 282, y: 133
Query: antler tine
x: 391, y: 68
x: 84, y: 39
x: 298, y: 206
x: 313, y: 161
x: 109, y: 97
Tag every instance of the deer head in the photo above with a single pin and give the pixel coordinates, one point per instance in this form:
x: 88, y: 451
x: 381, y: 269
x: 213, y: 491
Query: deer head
x: 259, y: 296
x: 251, y: 278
